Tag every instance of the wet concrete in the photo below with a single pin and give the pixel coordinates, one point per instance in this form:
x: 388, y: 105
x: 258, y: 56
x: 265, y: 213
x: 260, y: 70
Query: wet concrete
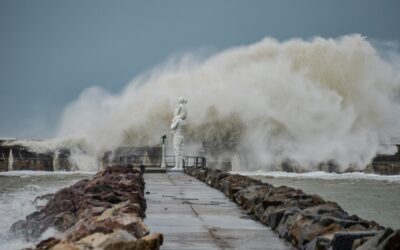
x: 192, y: 215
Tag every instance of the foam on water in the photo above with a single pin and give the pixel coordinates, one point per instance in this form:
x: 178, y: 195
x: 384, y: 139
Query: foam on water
x: 18, y: 190
x: 27, y: 173
x: 325, y: 176
x: 15, y: 206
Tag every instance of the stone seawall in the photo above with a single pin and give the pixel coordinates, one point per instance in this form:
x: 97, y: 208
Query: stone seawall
x: 105, y: 212
x: 306, y: 221
x: 18, y: 157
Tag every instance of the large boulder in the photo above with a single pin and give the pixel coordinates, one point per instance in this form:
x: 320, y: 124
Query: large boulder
x: 384, y: 240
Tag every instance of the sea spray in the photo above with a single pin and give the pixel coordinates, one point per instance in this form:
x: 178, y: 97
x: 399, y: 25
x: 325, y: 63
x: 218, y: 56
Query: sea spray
x: 10, y: 161
x: 305, y: 102
x: 19, y: 190
x: 56, y: 163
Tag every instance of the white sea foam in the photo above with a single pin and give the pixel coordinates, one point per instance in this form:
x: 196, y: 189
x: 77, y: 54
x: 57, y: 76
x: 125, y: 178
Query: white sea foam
x: 23, y: 173
x: 17, y: 199
x: 325, y: 176
x: 306, y: 101
x: 49, y: 145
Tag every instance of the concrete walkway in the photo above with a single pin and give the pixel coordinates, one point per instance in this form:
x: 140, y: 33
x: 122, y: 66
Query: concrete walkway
x: 192, y: 215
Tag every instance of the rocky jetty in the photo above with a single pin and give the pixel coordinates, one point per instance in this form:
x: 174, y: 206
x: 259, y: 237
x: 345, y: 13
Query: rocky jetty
x: 306, y: 221
x: 105, y: 212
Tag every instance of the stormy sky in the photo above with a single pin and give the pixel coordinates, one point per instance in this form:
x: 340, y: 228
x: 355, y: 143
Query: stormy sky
x: 50, y: 50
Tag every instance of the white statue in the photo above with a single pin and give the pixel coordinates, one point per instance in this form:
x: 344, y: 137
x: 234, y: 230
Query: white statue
x: 178, y: 130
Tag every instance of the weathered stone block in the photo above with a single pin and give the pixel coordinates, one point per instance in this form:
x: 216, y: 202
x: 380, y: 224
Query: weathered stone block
x: 345, y: 240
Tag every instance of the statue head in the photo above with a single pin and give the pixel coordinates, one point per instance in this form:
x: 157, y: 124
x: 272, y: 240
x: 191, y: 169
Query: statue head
x: 182, y: 100
x: 180, y: 111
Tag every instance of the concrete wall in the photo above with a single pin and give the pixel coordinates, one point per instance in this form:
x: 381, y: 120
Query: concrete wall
x: 3, y: 165
x: 135, y: 155
x: 25, y: 159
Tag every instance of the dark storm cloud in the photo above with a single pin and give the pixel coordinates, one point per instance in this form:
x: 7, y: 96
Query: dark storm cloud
x: 51, y: 50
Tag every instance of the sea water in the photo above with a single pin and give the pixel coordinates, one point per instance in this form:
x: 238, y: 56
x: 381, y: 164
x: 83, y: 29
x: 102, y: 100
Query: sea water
x: 370, y: 196
x: 18, y: 189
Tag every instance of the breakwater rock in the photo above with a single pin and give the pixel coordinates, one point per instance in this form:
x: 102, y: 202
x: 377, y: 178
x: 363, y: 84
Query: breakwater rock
x: 105, y: 212
x: 306, y: 221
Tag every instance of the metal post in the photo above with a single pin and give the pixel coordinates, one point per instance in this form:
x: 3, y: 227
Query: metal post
x: 163, y: 162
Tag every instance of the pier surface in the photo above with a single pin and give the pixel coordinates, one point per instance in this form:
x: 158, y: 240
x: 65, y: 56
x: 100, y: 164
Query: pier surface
x: 192, y: 215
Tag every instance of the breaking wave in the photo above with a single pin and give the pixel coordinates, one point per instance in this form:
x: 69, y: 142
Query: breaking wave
x: 320, y: 175
x: 300, y: 101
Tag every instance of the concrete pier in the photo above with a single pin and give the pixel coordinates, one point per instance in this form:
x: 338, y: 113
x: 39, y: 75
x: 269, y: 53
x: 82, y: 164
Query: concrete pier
x: 192, y: 215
